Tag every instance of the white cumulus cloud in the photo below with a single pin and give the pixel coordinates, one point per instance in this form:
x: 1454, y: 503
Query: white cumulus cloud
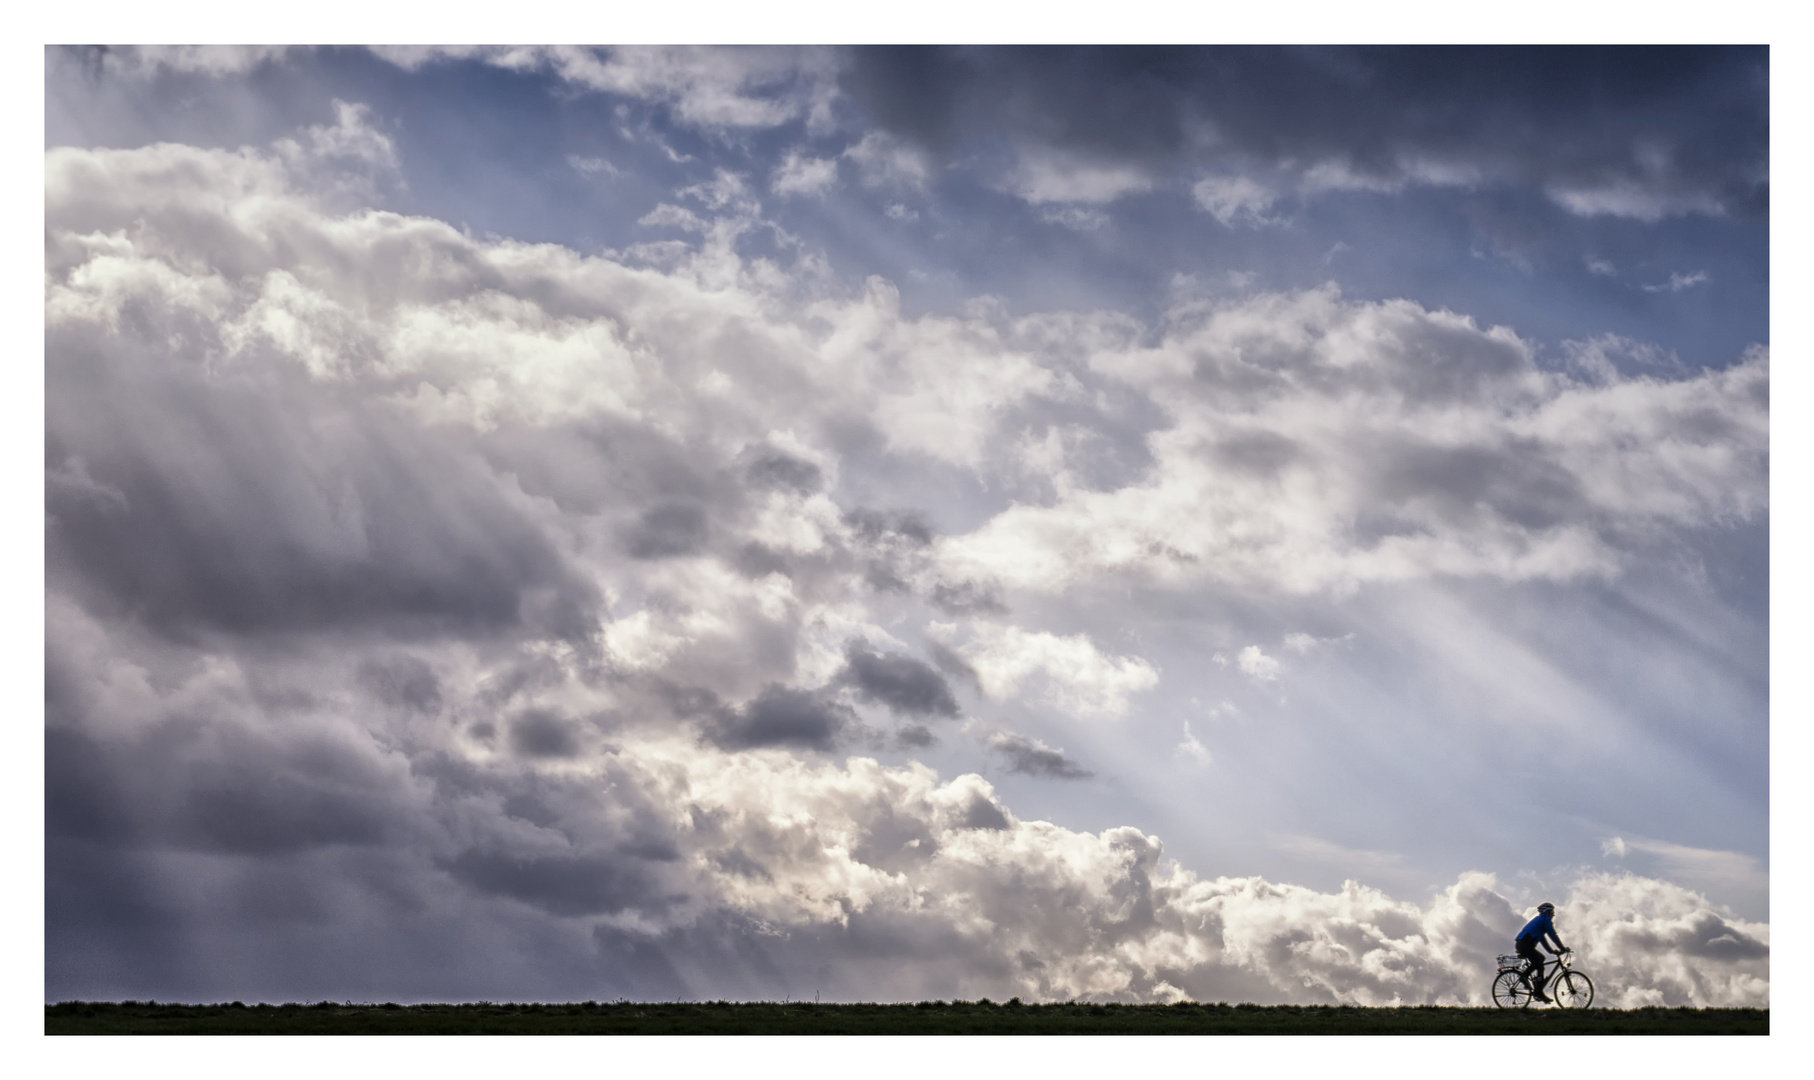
x: 1042, y: 177
x: 1234, y: 198
x: 885, y: 161
x: 1316, y: 444
x: 1079, y: 677
x: 740, y: 87
x: 1257, y: 665
x: 801, y: 175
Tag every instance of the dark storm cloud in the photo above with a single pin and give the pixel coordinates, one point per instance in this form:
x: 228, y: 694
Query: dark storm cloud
x: 1706, y: 937
x: 539, y: 733
x: 667, y: 531
x: 332, y: 923
x: 773, y: 469
x: 893, y: 542
x: 756, y: 560
x: 890, y: 527
x: 780, y: 716
x: 906, y: 686
x: 247, y: 790
x: 218, y: 787
x: 563, y: 884
x: 1033, y: 758
x: 1683, y: 122
x: 403, y: 680
x: 968, y: 598
x: 985, y: 814
x: 602, y: 463
x: 1264, y: 453
x: 915, y: 737
x: 956, y: 666
x: 264, y: 504
x: 1459, y: 483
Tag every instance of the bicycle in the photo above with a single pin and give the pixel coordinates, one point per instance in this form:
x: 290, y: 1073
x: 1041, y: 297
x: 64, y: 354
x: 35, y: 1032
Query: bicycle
x: 1567, y: 988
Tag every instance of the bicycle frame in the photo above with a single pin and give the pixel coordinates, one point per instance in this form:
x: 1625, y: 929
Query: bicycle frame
x: 1552, y: 967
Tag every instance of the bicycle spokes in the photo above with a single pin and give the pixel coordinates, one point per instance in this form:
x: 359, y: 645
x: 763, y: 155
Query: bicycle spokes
x: 1511, y: 990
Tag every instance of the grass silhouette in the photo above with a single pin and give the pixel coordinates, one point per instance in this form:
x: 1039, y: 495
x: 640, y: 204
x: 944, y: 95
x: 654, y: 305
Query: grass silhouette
x: 982, y: 1017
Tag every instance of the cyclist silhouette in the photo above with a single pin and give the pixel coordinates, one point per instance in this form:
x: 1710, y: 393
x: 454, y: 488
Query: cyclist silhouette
x: 1531, y: 937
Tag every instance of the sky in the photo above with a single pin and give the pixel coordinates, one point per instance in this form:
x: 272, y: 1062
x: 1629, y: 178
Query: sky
x: 884, y: 524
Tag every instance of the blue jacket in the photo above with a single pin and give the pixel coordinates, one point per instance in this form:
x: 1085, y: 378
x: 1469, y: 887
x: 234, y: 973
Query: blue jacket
x: 1536, y: 930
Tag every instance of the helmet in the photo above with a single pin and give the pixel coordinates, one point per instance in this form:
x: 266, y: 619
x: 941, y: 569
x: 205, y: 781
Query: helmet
x: 1546, y: 907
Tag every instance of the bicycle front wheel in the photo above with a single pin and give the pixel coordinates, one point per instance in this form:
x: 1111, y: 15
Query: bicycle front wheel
x: 1511, y: 990
x: 1573, y: 991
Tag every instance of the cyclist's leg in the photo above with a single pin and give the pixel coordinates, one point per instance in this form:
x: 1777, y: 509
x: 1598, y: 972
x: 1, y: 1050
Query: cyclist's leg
x: 1535, y: 956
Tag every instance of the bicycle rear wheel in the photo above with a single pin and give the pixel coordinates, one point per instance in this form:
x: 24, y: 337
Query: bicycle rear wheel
x: 1511, y: 990
x: 1573, y: 990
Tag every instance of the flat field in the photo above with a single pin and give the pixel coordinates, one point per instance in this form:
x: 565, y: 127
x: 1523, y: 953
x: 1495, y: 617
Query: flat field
x: 924, y: 1018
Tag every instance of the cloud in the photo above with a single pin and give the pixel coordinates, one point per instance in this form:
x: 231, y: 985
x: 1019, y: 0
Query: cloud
x: 1713, y: 872
x: 1232, y: 199
x: 403, y: 680
x: 1633, y: 200
x: 261, y: 509
x: 780, y: 716
x: 1091, y: 125
x: 1334, y: 444
x: 592, y: 166
x: 1032, y: 757
x: 1300, y: 642
x: 884, y: 882
x: 1467, y: 461
x: 539, y: 733
x: 1077, y: 676
x: 404, y: 586
x: 1257, y: 665
x: 906, y: 686
x: 1339, y: 442
x: 1604, y: 357
x: 214, y: 60
x: 1344, y: 174
x: 734, y: 87
x: 352, y: 137
x: 667, y: 530
x: 941, y: 385
x: 1677, y: 282
x: 1656, y: 943
x: 1043, y: 178
x: 1075, y: 218
x: 1347, y: 119
x: 884, y: 161
x: 1192, y: 747
x: 778, y: 468
x: 804, y: 176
